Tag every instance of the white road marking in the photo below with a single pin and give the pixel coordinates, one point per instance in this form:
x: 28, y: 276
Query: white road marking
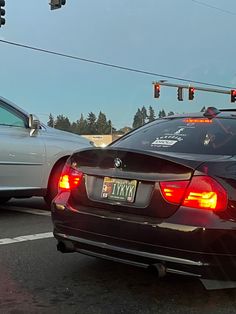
x: 29, y: 211
x: 30, y: 237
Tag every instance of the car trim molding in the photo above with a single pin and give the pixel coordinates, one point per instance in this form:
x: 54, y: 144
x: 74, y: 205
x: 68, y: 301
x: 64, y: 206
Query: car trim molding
x: 21, y: 163
x: 133, y: 263
x: 112, y: 258
x: 132, y: 252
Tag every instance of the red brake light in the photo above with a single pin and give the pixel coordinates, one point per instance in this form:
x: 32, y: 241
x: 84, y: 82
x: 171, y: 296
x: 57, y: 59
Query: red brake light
x: 202, y: 192
x: 173, y: 191
x: 197, y: 120
x: 70, y: 179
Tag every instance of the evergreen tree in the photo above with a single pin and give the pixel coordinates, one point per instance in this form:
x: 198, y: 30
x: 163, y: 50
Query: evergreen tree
x: 74, y: 127
x: 102, y: 124
x: 109, y: 128
x: 63, y: 123
x: 144, y: 115
x: 138, y: 119
x: 151, y: 115
x: 91, y: 121
x: 82, y: 126
x: 162, y: 113
x: 51, y: 121
x: 171, y: 113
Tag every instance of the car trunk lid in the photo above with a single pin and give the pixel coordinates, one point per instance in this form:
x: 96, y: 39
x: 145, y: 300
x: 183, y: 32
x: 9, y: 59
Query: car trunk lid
x: 128, y: 181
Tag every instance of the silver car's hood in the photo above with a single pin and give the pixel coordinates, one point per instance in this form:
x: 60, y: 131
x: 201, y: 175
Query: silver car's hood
x: 63, y: 135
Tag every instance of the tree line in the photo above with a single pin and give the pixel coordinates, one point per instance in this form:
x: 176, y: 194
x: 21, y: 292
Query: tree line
x: 143, y: 116
x: 93, y: 124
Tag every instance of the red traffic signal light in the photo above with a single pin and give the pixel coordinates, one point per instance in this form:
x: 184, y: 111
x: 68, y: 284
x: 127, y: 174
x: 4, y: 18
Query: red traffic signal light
x: 233, y: 95
x: 191, y: 91
x: 157, y: 90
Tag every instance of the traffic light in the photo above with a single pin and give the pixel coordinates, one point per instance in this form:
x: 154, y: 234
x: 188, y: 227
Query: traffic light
x: 2, y: 13
x: 156, y: 90
x: 233, y: 95
x: 180, y: 93
x: 56, y: 4
x: 191, y: 91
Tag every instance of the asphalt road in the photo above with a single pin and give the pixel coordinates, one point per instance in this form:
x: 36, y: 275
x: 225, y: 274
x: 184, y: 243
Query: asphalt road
x: 35, y: 278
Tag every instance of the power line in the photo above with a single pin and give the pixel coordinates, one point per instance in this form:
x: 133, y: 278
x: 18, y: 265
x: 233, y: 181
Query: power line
x: 213, y: 7
x: 111, y: 65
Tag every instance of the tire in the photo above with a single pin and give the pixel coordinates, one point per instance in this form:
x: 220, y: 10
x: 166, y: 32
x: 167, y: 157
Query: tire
x: 53, y: 183
x: 3, y: 200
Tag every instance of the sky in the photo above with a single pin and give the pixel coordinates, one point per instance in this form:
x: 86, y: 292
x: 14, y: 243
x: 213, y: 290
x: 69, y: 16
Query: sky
x: 187, y: 39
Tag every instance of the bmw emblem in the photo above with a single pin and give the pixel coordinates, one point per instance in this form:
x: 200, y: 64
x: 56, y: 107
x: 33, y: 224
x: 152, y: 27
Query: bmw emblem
x: 117, y: 162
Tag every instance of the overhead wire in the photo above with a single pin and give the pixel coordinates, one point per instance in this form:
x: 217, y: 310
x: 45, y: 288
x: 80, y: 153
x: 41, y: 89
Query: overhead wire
x: 213, y: 7
x: 112, y: 65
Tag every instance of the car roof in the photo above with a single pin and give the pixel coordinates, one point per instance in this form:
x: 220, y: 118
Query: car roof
x: 210, y: 112
x: 14, y: 106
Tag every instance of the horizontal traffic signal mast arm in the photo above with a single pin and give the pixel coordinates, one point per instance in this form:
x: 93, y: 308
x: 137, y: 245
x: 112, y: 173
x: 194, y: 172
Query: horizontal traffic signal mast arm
x: 213, y: 90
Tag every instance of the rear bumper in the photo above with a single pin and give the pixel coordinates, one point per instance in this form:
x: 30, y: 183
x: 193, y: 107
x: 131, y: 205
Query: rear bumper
x: 182, y: 249
x: 124, y: 255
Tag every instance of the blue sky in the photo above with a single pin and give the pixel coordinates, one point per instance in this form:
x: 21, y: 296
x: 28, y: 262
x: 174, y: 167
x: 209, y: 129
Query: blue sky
x: 177, y: 38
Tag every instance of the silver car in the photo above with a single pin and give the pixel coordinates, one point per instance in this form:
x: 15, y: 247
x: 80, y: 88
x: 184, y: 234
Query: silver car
x: 32, y: 154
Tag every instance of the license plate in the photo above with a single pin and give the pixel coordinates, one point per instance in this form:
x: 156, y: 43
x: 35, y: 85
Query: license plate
x: 119, y: 189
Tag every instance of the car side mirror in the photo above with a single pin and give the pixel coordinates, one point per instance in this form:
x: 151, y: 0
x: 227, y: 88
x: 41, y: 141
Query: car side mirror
x: 34, y: 125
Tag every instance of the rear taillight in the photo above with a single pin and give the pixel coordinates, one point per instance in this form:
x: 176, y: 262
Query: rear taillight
x: 70, y: 179
x: 173, y: 191
x: 201, y: 192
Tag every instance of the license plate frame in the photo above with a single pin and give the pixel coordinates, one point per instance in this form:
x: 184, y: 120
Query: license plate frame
x: 117, y: 189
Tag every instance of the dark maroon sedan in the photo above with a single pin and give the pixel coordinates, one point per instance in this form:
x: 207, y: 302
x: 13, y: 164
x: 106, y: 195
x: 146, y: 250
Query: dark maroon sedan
x: 163, y: 195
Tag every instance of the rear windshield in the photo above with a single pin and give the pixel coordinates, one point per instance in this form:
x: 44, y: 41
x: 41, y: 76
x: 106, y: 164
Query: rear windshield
x: 184, y: 135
